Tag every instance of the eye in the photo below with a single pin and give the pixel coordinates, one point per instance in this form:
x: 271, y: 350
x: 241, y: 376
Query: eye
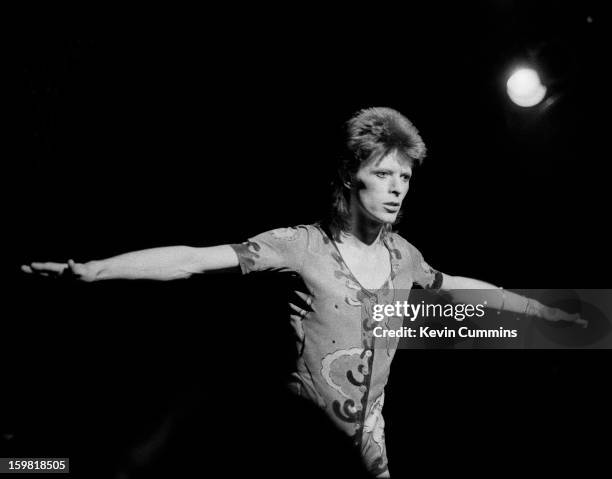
x: 382, y: 174
x: 406, y: 178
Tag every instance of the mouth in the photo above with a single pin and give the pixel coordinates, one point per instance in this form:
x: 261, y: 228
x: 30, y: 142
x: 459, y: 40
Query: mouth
x: 391, y: 206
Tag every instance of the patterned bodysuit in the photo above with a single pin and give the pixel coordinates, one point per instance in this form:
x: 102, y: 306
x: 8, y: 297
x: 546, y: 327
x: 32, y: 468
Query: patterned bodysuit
x: 341, y: 366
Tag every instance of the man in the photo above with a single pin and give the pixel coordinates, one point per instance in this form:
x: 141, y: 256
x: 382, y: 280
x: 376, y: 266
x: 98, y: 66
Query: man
x: 343, y: 266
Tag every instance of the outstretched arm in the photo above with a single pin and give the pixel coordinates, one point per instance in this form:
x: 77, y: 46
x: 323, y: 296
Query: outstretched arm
x: 501, y: 299
x: 163, y: 264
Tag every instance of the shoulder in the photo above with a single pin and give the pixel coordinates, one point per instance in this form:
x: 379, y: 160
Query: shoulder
x: 275, y: 249
x: 287, y: 237
x: 289, y: 234
x: 422, y: 272
x: 293, y: 233
x: 402, y: 244
x: 404, y: 250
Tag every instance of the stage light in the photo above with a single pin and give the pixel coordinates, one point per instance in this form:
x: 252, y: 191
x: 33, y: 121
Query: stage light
x: 524, y: 87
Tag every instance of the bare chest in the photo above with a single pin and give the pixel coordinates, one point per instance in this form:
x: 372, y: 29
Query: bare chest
x: 370, y: 270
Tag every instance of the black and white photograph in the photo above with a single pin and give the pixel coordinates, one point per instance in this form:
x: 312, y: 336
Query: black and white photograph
x: 303, y: 242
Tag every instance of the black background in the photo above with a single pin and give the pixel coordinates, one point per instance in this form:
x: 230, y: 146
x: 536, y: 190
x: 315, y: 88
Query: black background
x: 209, y: 131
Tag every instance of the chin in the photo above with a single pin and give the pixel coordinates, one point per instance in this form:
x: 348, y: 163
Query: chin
x: 389, y: 217
x: 386, y: 218
x: 381, y: 216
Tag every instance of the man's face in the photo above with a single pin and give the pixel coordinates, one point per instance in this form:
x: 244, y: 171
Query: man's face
x: 380, y: 187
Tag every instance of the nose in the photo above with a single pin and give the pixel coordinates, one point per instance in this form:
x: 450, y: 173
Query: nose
x: 395, y: 186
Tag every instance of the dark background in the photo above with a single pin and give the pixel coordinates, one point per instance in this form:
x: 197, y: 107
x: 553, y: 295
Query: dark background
x: 206, y: 131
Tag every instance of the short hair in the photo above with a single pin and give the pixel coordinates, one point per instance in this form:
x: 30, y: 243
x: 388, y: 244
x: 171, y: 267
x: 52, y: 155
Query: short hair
x: 375, y: 132
x: 372, y: 134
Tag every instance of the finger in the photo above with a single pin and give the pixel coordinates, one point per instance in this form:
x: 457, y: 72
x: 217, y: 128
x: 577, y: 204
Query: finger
x: 575, y: 318
x: 563, y: 316
x: 53, y: 267
x: 582, y: 322
x: 26, y: 269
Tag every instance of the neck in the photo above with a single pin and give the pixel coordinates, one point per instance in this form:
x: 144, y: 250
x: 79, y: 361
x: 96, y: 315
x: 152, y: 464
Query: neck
x: 363, y: 233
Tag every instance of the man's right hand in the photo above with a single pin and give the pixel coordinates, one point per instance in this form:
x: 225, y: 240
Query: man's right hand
x: 79, y: 271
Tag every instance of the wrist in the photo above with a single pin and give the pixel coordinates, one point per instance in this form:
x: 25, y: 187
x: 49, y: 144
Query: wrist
x: 94, y: 270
